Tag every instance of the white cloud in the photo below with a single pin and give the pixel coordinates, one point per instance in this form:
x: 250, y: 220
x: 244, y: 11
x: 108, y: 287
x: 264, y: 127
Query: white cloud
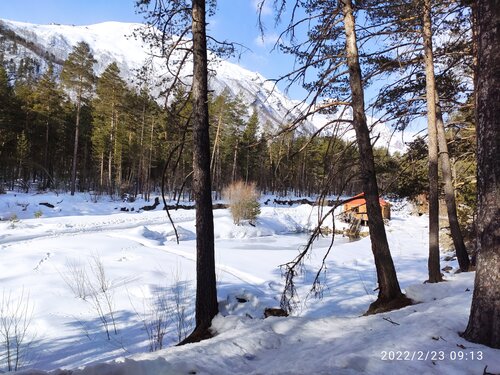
x: 266, y: 40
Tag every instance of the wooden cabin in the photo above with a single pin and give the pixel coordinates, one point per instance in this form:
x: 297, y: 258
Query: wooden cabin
x: 356, y: 209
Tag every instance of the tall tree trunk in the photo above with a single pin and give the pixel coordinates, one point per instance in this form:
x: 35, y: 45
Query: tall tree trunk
x: 430, y: 86
x: 139, y: 187
x: 215, y: 151
x: 235, y: 158
x: 110, y: 173
x: 449, y: 192
x: 390, y: 295
x: 101, y: 172
x: 150, y: 162
x: 118, y: 163
x: 206, y: 293
x: 117, y: 155
x: 484, y: 320
x: 46, y: 163
x: 75, y: 147
x: 110, y: 156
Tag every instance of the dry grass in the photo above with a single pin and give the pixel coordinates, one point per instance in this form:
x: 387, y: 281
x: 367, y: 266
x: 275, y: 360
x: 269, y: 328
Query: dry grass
x: 243, y: 200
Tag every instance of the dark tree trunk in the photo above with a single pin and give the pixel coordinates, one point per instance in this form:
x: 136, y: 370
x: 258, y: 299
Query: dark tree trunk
x: 75, y: 147
x: 390, y: 295
x: 449, y: 193
x: 235, y: 159
x: 484, y: 320
x: 206, y: 293
x: 47, y: 175
x: 433, y: 263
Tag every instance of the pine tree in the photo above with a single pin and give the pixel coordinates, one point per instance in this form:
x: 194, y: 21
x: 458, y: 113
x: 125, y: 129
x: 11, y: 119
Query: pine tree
x: 410, y: 25
x: 250, y: 147
x: 176, y: 151
x: 108, y: 131
x: 22, y: 155
x: 431, y: 94
x: 206, y: 294
x: 189, y: 20
x: 9, y: 110
x: 331, y: 51
x: 48, y: 107
x: 484, y: 319
x: 25, y: 79
x: 390, y: 294
x: 77, y: 76
x: 227, y: 119
x: 141, y: 120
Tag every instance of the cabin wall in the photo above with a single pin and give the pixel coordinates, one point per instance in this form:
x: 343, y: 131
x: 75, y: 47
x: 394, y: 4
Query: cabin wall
x: 359, y: 211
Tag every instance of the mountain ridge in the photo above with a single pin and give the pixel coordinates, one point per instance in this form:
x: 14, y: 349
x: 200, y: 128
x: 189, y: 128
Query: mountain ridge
x: 113, y: 41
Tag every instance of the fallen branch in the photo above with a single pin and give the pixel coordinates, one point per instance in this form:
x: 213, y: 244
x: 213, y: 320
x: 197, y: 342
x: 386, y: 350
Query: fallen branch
x: 391, y: 321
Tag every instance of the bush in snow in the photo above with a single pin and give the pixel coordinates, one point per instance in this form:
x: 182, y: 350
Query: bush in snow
x: 95, y: 288
x: 167, y: 310
x: 16, y: 312
x: 243, y: 200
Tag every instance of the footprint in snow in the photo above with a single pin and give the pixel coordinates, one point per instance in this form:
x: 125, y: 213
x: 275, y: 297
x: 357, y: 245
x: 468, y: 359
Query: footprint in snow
x: 43, y: 260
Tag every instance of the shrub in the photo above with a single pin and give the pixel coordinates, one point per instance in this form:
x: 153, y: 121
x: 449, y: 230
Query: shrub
x: 16, y: 313
x: 243, y: 200
x: 13, y: 220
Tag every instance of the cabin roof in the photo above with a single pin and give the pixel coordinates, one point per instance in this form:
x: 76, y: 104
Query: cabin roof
x: 360, y: 201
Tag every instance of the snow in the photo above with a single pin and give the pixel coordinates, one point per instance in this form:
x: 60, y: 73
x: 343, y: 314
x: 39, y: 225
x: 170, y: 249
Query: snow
x: 141, y: 260
x: 381, y: 133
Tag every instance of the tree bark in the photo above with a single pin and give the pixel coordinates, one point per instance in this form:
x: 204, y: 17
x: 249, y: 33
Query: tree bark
x: 390, y: 295
x: 206, y: 293
x: 235, y: 159
x: 433, y: 263
x: 139, y: 188
x: 110, y: 157
x: 449, y: 193
x: 46, y: 178
x: 484, y: 319
x: 75, y: 147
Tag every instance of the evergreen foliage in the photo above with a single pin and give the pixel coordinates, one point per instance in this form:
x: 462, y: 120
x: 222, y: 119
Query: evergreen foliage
x: 126, y: 138
x: 109, y: 133
x: 78, y: 77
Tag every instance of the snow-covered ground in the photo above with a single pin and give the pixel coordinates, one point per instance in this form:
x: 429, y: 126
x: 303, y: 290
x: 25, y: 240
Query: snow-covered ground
x: 134, y: 257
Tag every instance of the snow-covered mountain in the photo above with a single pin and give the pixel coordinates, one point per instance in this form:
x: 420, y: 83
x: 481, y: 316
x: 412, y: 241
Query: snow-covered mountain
x: 382, y: 135
x: 114, y: 42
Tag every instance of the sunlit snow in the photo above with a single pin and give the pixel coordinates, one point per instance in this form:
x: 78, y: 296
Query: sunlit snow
x: 42, y: 248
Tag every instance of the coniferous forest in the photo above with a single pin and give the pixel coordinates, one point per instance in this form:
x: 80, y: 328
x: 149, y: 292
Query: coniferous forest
x: 66, y: 129
x: 125, y: 135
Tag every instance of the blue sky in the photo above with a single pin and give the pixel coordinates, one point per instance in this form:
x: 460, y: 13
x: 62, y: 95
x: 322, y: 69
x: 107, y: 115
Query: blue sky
x: 236, y: 20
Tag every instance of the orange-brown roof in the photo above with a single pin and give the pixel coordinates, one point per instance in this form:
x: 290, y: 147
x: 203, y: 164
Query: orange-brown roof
x: 361, y: 201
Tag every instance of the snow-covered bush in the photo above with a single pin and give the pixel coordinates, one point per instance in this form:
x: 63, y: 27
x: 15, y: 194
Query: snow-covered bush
x: 243, y: 200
